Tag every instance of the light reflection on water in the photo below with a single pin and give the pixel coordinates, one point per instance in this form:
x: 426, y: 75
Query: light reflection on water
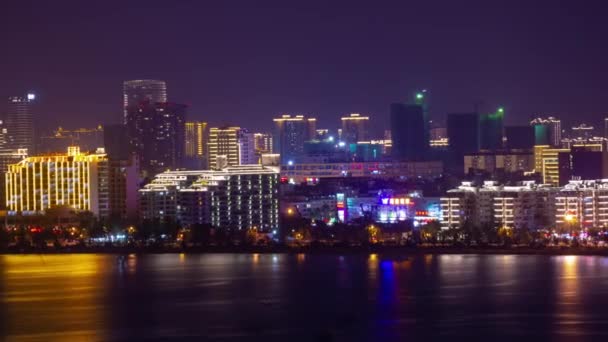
x: 300, y: 297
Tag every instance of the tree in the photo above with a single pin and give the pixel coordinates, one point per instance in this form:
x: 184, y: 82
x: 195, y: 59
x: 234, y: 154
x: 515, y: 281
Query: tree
x: 4, y: 238
x: 489, y: 232
x: 430, y: 231
x: 201, y: 234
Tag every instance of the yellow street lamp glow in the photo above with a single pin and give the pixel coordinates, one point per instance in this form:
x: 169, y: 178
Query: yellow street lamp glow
x: 569, y: 217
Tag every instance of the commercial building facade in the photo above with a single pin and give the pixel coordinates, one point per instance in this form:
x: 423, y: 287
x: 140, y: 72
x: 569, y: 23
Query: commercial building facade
x: 76, y: 180
x: 298, y: 173
x: 529, y: 205
x: 236, y: 197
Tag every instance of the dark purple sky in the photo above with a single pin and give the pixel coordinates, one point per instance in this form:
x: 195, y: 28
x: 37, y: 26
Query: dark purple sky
x: 244, y: 62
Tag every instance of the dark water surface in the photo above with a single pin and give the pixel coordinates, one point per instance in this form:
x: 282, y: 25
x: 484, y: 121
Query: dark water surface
x: 266, y: 297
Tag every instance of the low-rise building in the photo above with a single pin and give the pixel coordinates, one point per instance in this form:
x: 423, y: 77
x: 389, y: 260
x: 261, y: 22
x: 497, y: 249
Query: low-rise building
x: 529, y: 205
x: 238, y: 197
x: 301, y: 172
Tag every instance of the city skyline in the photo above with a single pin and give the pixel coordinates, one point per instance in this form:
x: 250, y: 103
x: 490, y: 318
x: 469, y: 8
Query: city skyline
x: 530, y: 69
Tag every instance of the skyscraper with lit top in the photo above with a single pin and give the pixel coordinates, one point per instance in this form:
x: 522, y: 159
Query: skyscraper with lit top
x: 136, y: 91
x: 355, y: 128
x: 20, y: 122
x: 547, y: 131
x: 290, y: 134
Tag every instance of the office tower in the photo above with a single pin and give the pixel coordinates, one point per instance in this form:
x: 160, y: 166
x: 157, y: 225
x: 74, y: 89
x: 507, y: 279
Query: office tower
x: 491, y: 130
x: 236, y: 197
x: 196, y: 145
x: 409, y: 142
x: 73, y: 179
x: 88, y: 139
x: 136, y: 91
x: 247, y: 153
x: 156, y: 132
x: 290, y: 134
x: 547, y: 131
x: 355, y: 128
x: 20, y: 122
x: 223, y: 147
x: 519, y: 137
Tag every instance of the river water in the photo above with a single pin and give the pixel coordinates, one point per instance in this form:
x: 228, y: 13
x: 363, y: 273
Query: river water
x: 299, y: 297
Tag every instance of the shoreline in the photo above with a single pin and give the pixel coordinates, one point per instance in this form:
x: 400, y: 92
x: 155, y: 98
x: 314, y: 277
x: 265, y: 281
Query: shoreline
x: 393, y: 250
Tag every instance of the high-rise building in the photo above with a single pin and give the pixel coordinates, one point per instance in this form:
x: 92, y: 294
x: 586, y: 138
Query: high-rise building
x: 116, y: 141
x: 195, y: 138
x: 123, y: 174
x: 409, y: 141
x: 20, y: 122
x: 355, y: 128
x: 196, y: 145
x: 606, y: 128
x: 76, y: 180
x: 223, y: 147
x: 519, y: 137
x: 551, y: 164
x: 156, y: 132
x: 136, y: 91
x: 547, y: 131
x: 8, y: 157
x: 491, y: 130
x: 290, y: 134
x: 463, y: 138
x: 582, y: 204
x: 236, y: 197
x: 247, y: 153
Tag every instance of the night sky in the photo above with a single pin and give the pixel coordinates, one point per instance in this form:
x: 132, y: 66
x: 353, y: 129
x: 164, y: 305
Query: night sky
x: 244, y: 62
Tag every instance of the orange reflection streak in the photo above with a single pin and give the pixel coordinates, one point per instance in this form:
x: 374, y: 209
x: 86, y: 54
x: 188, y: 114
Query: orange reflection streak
x: 568, y: 299
x: 53, y: 297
